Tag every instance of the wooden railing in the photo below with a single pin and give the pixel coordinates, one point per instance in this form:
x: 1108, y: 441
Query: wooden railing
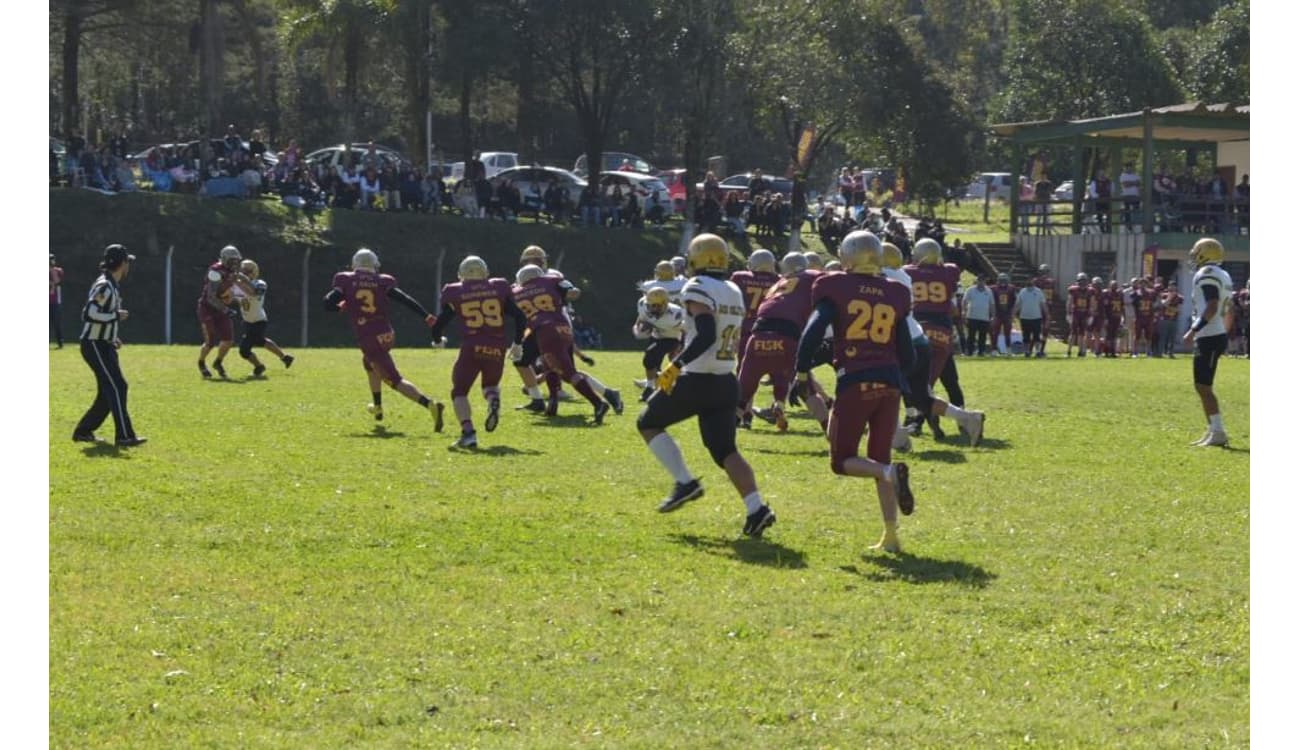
x: 1184, y: 213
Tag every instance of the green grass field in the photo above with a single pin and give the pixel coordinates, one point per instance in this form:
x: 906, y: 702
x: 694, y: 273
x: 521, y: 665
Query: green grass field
x: 274, y: 570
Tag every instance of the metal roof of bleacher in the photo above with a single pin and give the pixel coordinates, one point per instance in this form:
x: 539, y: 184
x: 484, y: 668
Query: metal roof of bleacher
x: 1193, y: 122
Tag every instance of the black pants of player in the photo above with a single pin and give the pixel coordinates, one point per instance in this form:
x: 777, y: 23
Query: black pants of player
x: 56, y: 330
x: 1205, y: 362
x: 916, y: 393
x: 254, y: 335
x: 655, y: 353
x: 977, y: 336
x: 111, y: 396
x: 711, y: 398
x: 948, y: 376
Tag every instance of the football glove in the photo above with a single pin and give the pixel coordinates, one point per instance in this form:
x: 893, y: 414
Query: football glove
x: 430, y: 320
x: 668, y: 378
x: 516, y: 352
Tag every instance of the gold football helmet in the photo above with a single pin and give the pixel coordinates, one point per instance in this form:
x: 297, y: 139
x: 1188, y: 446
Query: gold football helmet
x: 707, y: 254
x: 656, y: 300
x: 928, y: 253
x: 473, y: 267
x: 248, y: 267
x: 1206, y: 250
x: 533, y: 254
x: 860, y: 252
x: 893, y: 257
x: 762, y: 260
x: 664, y: 271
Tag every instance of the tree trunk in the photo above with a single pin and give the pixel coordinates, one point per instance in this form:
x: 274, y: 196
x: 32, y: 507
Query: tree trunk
x: 211, y: 56
x: 352, y: 44
x: 415, y: 39
x: 466, y: 135
x: 71, y: 60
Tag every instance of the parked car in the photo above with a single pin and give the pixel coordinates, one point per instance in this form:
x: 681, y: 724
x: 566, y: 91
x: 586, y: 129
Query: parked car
x: 333, y: 156
x: 999, y: 183
x: 613, y: 160
x: 494, y: 162
x: 533, y: 181
x: 740, y: 183
x: 218, y: 147
x: 1064, y: 191
x: 644, y: 185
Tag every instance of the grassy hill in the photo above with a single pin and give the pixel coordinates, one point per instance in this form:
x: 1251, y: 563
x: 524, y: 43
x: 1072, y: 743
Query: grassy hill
x: 289, y: 245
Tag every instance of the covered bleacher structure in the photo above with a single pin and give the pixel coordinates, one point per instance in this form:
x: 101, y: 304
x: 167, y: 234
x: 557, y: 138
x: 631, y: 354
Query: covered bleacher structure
x: 1164, y: 225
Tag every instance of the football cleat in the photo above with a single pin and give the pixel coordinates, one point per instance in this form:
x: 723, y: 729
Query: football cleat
x: 615, y: 400
x: 535, y: 405
x: 779, y: 419
x: 601, y: 410
x: 976, y: 428
x: 746, y: 421
x: 287, y: 360
x: 131, y: 442
x: 377, y: 411
x: 646, y: 393
x: 1215, y: 438
x: 683, y: 492
x: 767, y: 415
x: 204, y: 371
x: 221, y: 370
x: 86, y: 437
x: 758, y: 522
x: 933, y: 421
x: 888, y: 543
x: 467, y: 440
x: 436, y: 408
x: 259, y: 370
x: 552, y: 407
x: 903, y: 490
x: 493, y: 415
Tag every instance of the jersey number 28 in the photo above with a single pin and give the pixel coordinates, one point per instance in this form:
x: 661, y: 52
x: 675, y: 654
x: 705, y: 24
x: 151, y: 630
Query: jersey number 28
x: 870, y: 322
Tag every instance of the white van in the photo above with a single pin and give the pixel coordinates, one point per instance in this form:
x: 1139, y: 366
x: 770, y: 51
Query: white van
x: 494, y: 162
x: 998, y: 182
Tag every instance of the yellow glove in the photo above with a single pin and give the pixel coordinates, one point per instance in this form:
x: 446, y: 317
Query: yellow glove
x: 668, y: 378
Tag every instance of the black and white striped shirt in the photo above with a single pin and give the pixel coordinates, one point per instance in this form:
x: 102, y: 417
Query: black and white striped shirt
x: 100, y: 313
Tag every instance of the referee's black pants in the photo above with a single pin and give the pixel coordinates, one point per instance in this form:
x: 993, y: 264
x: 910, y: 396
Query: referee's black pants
x: 111, y: 396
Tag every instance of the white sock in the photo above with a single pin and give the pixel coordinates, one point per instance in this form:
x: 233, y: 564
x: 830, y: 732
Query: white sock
x: 753, y: 501
x: 957, y: 413
x: 913, y: 412
x: 670, y: 455
x: 534, y: 392
x: 595, y: 384
x: 1216, y: 422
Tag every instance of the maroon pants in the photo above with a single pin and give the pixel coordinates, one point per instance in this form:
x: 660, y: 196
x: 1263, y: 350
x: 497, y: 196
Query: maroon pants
x: 940, y: 348
x: 767, y: 353
x: 485, y: 359
x: 375, y: 356
x: 870, y: 408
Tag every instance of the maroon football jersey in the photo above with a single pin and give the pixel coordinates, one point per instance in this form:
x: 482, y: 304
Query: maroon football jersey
x: 366, y: 294
x: 1078, y: 296
x: 1112, y: 303
x: 221, y: 286
x: 1048, y: 285
x: 1144, y: 306
x: 934, y: 286
x: 867, y: 310
x: 753, y: 286
x: 790, y: 298
x: 481, y: 306
x: 1004, y: 299
x: 1094, y: 300
x: 1173, y: 305
x: 542, y: 300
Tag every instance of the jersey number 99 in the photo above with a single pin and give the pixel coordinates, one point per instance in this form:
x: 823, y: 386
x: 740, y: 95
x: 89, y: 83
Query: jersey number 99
x: 932, y: 291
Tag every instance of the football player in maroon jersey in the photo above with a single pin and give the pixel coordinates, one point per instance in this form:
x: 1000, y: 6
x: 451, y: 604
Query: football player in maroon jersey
x: 541, y: 296
x: 1112, y: 309
x: 1077, y: 300
x: 216, y: 316
x: 1004, y: 301
x: 868, y: 313
x: 759, y: 276
x: 934, y: 290
x: 1171, y: 304
x: 364, y: 293
x: 775, y: 337
x: 1144, y: 320
x: 1045, y: 282
x: 1096, y: 316
x: 483, y: 305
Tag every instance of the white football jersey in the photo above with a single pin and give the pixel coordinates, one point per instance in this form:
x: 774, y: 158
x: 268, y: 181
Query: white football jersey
x: 674, y: 288
x: 669, y: 325
x: 253, y: 308
x: 1215, y: 276
x: 727, y: 303
x: 902, y: 277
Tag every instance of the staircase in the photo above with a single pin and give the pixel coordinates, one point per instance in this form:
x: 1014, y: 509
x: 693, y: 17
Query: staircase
x: 1005, y: 258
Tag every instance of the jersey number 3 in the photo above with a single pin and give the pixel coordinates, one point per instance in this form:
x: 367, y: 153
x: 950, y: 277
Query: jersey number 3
x: 870, y: 322
x: 367, y: 299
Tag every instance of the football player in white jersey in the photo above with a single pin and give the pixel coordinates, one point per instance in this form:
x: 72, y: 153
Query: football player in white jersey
x: 701, y: 382
x: 666, y: 279
x: 253, y: 309
x: 1211, y: 300
x: 663, y: 323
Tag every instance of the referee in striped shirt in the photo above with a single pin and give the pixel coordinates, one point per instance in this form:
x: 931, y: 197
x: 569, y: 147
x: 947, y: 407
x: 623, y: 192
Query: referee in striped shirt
x: 99, y: 345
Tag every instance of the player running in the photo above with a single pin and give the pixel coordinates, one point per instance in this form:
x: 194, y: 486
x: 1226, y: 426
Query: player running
x: 253, y: 308
x: 483, y: 304
x: 663, y: 323
x: 701, y: 383
x: 772, y: 346
x: 759, y: 276
x: 216, y: 316
x: 868, y: 314
x: 541, y: 297
x: 364, y: 293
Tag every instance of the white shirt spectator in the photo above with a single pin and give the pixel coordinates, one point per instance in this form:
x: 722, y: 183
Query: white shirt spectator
x: 1030, y: 303
x: 979, y: 303
x: 1129, y: 184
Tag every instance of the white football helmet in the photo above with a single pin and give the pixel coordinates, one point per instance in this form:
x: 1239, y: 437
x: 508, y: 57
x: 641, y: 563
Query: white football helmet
x: 793, y: 263
x: 528, y: 273
x: 230, y: 256
x: 762, y: 260
x: 365, y: 258
x: 472, y: 267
